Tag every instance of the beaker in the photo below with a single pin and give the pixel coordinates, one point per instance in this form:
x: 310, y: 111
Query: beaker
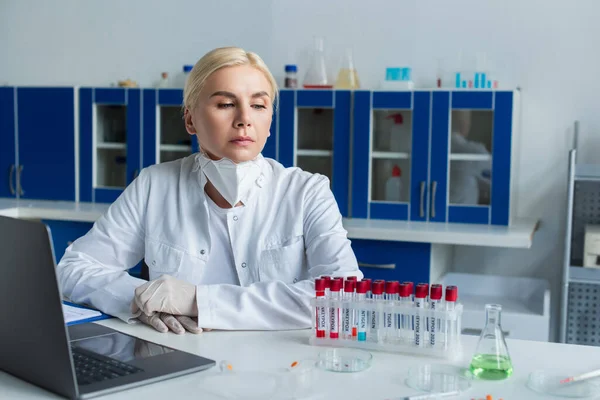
x: 491, y: 360
x: 347, y: 76
x: 316, y: 74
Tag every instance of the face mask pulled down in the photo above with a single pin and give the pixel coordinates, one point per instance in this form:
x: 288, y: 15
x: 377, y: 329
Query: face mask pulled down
x: 232, y: 180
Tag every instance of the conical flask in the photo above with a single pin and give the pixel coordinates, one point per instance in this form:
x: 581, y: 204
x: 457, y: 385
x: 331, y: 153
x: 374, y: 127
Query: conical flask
x: 347, y: 76
x: 491, y: 360
x: 316, y: 75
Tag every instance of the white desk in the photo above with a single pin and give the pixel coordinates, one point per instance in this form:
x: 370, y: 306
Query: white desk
x: 385, y: 379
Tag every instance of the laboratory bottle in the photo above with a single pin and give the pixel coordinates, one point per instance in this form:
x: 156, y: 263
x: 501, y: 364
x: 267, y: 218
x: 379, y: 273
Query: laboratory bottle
x: 347, y: 77
x: 291, y: 79
x: 164, y: 81
x: 393, y: 185
x: 316, y: 75
x: 491, y: 360
x: 396, y: 132
x: 185, y: 72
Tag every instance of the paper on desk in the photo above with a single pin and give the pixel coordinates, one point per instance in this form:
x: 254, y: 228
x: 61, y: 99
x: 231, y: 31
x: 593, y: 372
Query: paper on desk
x: 73, y: 314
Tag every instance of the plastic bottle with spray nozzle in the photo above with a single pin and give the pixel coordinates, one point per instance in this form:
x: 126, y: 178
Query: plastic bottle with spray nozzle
x: 393, y: 185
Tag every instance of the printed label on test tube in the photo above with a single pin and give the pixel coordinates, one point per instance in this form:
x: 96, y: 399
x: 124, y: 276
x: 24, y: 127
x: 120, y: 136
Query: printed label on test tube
x: 420, y: 304
x: 321, y: 311
x: 377, y: 293
x: 391, y: 296
x: 348, y: 312
x: 434, y: 303
x: 405, y: 319
x: 361, y: 294
x: 334, y: 310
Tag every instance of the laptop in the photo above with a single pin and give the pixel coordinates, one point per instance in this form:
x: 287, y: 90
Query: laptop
x: 80, y: 361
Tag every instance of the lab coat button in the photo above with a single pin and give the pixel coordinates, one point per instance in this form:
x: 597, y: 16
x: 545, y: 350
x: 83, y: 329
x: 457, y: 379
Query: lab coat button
x: 295, y: 280
x: 154, y: 262
x: 202, y: 251
x: 243, y: 265
x: 235, y: 218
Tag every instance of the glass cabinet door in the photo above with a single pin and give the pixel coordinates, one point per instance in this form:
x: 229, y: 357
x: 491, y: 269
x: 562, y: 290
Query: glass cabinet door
x: 390, y: 155
x: 110, y: 135
x: 471, y: 157
x: 314, y: 135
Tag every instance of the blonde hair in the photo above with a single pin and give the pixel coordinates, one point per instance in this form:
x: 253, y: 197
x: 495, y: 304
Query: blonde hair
x: 219, y: 58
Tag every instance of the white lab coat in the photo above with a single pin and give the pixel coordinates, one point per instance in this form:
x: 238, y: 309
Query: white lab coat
x: 466, y: 177
x: 290, y: 233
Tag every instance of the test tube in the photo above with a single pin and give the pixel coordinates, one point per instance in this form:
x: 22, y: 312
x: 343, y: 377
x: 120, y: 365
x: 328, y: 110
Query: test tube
x: 452, y: 328
x: 435, y: 303
x: 354, y: 312
x: 321, y: 311
x: 361, y: 295
x: 334, y: 309
x: 347, y: 311
x: 411, y: 289
x: 425, y: 322
x: 405, y: 319
x: 420, y: 304
x: 377, y: 289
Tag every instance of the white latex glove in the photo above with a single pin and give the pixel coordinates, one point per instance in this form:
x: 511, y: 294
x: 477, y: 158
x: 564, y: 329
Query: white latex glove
x: 163, y: 322
x: 166, y: 295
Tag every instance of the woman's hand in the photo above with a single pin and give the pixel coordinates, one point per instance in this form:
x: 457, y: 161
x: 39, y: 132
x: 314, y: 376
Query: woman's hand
x: 164, y: 322
x: 165, y: 295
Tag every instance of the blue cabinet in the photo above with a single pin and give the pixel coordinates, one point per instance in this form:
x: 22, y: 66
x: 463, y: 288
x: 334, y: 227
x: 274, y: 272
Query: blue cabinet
x: 314, y: 134
x: 399, y: 261
x: 64, y: 233
x: 8, y: 151
x: 37, y: 143
x: 435, y: 156
x: 110, y: 141
x: 46, y: 134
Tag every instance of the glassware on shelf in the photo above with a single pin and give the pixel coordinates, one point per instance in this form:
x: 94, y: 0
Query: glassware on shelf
x: 347, y: 76
x: 491, y: 360
x: 291, y: 81
x: 316, y: 75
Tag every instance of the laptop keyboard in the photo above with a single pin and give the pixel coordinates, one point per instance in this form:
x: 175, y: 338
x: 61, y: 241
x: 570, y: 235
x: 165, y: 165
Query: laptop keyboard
x: 91, y: 368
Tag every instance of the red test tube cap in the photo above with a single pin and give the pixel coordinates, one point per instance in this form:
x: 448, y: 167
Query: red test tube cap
x: 349, y: 286
x: 320, y: 285
x: 436, y: 292
x: 362, y: 287
x: 377, y: 287
x: 422, y: 291
x: 404, y: 289
x: 411, y: 287
x: 336, y: 285
x: 351, y: 278
x: 451, y: 293
x: 392, y: 287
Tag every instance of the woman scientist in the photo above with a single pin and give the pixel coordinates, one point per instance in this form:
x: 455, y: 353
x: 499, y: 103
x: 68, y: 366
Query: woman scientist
x: 232, y: 240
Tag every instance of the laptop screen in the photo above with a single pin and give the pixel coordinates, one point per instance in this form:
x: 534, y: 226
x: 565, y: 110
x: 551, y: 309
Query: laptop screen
x: 121, y: 347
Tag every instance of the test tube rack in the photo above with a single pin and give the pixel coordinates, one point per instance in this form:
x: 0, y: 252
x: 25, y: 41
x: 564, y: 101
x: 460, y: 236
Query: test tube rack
x: 407, y: 331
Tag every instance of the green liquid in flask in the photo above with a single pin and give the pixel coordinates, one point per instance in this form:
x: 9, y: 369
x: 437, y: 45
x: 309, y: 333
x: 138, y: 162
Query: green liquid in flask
x: 491, y: 366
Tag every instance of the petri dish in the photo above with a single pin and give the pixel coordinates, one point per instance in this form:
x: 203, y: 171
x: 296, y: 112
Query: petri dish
x: 547, y: 382
x: 439, y: 378
x: 344, y: 360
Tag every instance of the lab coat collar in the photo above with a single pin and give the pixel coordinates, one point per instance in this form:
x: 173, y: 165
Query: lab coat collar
x: 263, y: 179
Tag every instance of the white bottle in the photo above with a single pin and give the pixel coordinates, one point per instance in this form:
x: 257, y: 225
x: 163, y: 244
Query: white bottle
x: 396, y: 133
x: 393, y: 185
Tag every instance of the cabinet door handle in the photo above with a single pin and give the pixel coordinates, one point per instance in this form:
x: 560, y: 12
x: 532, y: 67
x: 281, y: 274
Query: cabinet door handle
x: 11, y: 181
x: 19, y: 185
x: 381, y: 266
x: 433, y: 193
x: 422, y: 201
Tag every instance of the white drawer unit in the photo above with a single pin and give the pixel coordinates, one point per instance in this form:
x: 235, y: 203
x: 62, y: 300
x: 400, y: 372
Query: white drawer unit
x: 525, y: 304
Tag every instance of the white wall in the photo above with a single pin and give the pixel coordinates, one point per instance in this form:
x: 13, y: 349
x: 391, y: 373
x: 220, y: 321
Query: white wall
x: 546, y: 47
